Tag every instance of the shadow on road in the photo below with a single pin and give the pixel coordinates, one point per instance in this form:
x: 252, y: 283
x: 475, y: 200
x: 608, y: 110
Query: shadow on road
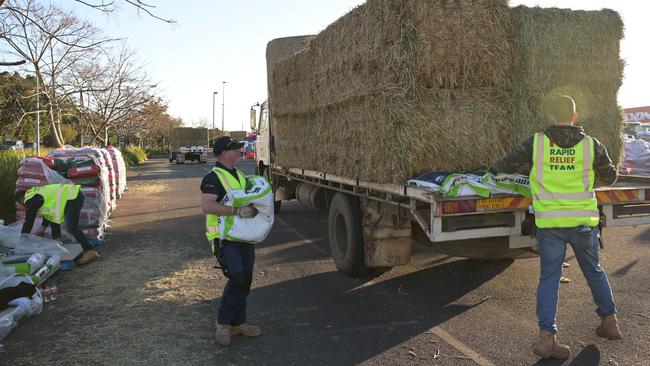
x: 353, y: 321
x: 625, y: 269
x: 589, y: 356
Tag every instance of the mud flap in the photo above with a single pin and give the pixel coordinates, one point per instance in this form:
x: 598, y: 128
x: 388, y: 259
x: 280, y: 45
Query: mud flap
x: 387, y: 240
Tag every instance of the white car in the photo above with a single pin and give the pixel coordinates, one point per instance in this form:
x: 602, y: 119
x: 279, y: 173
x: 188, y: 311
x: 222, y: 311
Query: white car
x: 12, y: 145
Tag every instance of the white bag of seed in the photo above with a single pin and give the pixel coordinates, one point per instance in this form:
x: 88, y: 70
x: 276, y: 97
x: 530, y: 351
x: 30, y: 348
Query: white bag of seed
x: 259, y: 194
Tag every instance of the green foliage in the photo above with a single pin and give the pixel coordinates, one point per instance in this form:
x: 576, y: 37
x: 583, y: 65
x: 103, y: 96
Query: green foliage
x: 133, y: 156
x: 9, y: 163
x: 15, y: 100
x: 70, y: 136
x: 157, y: 151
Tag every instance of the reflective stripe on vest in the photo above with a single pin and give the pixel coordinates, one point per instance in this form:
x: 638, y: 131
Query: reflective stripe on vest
x: 55, y: 199
x: 229, y: 183
x: 562, y: 184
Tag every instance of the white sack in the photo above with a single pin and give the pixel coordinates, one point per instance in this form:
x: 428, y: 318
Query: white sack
x: 258, y: 193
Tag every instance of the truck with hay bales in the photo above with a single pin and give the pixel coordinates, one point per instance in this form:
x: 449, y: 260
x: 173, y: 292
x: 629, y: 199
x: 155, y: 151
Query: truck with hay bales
x: 187, y: 143
x: 397, y: 88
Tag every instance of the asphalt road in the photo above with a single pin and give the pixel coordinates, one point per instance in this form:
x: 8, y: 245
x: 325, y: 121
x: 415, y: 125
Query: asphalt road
x: 152, y: 297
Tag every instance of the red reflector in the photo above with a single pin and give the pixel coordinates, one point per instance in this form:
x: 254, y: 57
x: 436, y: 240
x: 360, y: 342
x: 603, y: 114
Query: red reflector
x: 451, y: 207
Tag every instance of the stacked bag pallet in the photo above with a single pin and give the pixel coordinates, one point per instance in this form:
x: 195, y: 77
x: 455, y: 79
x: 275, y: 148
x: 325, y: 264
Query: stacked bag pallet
x: 27, y: 262
x: 100, y: 172
x: 396, y: 88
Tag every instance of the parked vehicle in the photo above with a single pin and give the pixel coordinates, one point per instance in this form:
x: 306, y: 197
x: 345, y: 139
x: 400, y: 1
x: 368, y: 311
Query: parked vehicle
x: 187, y: 143
x: 373, y: 224
x: 12, y: 145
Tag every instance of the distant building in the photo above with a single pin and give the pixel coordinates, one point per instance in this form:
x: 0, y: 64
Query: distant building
x: 639, y: 114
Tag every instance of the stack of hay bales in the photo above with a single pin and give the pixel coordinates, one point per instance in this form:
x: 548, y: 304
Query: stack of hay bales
x: 398, y: 87
x: 560, y: 51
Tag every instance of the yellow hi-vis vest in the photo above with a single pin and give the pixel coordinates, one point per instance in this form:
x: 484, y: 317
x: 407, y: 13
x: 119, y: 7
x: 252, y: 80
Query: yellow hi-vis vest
x: 55, y: 197
x: 229, y: 183
x: 562, y: 184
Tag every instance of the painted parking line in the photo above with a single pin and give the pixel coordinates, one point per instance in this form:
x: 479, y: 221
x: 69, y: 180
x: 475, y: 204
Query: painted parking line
x: 461, y: 347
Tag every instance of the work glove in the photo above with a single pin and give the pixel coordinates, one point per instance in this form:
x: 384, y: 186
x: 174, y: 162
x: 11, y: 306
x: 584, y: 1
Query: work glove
x: 247, y: 212
x: 40, y: 232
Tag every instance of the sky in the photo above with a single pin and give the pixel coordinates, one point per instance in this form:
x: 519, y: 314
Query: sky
x: 223, y: 40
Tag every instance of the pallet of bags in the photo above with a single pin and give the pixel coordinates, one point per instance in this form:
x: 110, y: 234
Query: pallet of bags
x: 119, y: 169
x: 87, y: 167
x: 112, y: 181
x: 36, y: 172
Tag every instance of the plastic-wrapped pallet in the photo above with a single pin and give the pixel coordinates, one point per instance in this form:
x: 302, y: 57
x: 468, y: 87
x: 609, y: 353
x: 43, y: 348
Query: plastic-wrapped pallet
x: 112, y: 183
x: 637, y: 158
x: 119, y: 168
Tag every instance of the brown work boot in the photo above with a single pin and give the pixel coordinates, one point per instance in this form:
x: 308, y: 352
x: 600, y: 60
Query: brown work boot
x: 86, y: 257
x: 222, y: 334
x: 608, y: 328
x: 246, y: 329
x: 548, y: 347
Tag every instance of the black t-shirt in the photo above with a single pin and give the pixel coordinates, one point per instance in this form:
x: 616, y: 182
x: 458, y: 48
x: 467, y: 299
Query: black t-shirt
x: 212, y: 185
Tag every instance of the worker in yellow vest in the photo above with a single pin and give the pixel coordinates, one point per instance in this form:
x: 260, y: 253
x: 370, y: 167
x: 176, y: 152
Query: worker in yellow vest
x: 58, y: 204
x: 563, y: 164
x: 235, y: 258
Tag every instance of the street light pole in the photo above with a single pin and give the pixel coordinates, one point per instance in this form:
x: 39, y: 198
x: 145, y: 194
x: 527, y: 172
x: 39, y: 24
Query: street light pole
x: 213, y: 94
x: 223, y: 104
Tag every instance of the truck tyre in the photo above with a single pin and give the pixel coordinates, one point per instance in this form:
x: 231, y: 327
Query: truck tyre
x: 346, y: 235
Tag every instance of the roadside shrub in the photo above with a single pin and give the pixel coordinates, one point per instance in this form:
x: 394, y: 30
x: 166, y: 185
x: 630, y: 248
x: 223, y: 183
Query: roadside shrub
x: 133, y: 156
x: 157, y: 151
x: 9, y: 163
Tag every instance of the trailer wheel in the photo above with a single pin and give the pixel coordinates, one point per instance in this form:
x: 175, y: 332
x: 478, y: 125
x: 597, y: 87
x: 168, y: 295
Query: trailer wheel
x: 346, y: 235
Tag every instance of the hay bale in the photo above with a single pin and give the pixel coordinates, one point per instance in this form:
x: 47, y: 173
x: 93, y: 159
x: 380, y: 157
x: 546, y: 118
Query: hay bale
x: 292, y: 84
x: 561, y: 51
x: 398, y: 87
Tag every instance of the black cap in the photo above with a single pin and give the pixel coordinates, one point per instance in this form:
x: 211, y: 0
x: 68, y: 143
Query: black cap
x: 225, y: 143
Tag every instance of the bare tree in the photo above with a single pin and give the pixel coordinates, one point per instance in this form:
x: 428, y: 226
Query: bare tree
x: 53, y: 42
x: 120, y: 92
x: 109, y: 7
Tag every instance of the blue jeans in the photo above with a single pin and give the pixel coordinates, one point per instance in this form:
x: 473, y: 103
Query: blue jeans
x: 238, y: 260
x: 552, y: 248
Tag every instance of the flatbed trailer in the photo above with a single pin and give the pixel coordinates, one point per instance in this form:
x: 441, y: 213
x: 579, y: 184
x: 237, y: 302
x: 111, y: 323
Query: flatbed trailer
x: 374, y: 225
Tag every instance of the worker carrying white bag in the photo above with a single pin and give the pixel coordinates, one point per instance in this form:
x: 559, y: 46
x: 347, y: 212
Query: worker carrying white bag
x: 249, y: 230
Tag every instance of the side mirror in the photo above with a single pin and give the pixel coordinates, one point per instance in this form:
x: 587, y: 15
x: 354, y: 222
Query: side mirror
x: 253, y: 121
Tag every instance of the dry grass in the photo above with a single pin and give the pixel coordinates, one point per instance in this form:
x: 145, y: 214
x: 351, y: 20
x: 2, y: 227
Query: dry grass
x: 398, y: 87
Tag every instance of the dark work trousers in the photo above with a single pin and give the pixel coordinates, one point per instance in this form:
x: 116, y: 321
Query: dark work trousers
x: 237, y: 260
x: 71, y: 214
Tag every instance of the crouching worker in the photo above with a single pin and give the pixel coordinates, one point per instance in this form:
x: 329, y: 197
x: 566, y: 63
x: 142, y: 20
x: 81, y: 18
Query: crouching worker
x: 58, y: 204
x: 236, y: 258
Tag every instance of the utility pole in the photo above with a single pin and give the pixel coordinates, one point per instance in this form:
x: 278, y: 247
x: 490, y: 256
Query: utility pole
x: 213, y: 95
x: 223, y: 104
